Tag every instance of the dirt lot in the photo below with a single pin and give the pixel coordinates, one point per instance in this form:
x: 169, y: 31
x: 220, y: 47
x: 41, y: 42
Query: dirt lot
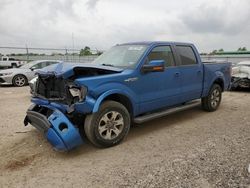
x: 188, y: 149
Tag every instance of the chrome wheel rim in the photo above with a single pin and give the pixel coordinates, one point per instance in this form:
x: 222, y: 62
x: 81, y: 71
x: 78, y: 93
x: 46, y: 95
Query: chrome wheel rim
x: 19, y: 80
x: 215, y: 98
x: 111, y: 125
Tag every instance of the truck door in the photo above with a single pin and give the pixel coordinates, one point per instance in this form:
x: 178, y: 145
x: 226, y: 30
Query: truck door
x: 191, y: 73
x: 159, y: 89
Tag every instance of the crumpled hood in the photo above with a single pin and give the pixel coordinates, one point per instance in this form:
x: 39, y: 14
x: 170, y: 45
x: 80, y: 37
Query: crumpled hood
x: 67, y: 70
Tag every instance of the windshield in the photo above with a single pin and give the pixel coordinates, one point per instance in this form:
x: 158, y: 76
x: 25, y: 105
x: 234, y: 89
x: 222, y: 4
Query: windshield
x: 29, y: 65
x: 124, y: 56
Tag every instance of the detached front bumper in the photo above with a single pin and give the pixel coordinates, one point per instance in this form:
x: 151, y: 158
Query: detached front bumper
x: 57, y: 128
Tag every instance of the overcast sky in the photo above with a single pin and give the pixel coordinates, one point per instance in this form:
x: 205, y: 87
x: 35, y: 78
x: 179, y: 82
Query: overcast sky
x: 210, y: 24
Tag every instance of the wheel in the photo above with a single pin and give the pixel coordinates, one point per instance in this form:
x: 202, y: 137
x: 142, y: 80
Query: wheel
x: 19, y: 80
x: 108, y: 126
x: 212, y: 101
x: 13, y: 65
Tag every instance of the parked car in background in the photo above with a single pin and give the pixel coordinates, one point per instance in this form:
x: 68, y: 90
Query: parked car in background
x: 130, y: 83
x: 21, y: 76
x: 9, y: 62
x: 241, y: 75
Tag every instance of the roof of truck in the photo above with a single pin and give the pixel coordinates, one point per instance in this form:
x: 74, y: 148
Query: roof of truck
x: 155, y: 42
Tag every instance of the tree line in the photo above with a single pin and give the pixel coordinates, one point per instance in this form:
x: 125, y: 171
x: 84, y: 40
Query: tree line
x: 86, y: 51
x: 240, y: 49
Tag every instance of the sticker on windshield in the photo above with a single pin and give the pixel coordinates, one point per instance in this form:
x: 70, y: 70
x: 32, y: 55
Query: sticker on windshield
x: 131, y: 63
x: 138, y: 48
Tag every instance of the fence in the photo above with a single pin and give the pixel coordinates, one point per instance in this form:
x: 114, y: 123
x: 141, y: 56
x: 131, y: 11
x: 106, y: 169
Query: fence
x: 72, y: 55
x: 31, y: 54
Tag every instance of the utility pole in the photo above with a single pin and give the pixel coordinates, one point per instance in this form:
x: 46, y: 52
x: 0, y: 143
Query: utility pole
x: 73, y: 46
x: 27, y: 52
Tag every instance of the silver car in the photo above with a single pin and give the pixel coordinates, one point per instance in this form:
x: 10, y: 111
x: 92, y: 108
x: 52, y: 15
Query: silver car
x: 22, y: 75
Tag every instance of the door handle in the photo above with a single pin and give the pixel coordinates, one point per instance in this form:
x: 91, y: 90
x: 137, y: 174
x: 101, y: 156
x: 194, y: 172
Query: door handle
x: 199, y: 71
x: 177, y: 74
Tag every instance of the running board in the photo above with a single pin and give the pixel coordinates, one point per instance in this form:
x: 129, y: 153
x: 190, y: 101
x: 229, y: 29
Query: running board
x: 148, y: 117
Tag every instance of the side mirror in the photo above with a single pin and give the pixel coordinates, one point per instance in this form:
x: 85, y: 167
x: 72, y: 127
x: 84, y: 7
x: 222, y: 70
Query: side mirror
x: 154, y: 66
x: 32, y: 68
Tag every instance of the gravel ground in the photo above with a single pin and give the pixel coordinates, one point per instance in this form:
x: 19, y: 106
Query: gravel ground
x: 187, y: 149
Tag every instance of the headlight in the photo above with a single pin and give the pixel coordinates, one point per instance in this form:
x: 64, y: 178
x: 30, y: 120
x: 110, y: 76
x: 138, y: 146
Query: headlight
x: 79, y: 92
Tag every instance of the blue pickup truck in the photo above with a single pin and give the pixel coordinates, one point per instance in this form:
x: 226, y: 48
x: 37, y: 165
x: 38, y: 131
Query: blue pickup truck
x: 130, y: 83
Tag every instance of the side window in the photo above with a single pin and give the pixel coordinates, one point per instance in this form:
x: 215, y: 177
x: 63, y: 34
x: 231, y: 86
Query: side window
x: 187, y: 55
x: 37, y: 66
x: 162, y: 53
x: 44, y: 64
x: 51, y: 63
x: 48, y: 63
x: 5, y: 59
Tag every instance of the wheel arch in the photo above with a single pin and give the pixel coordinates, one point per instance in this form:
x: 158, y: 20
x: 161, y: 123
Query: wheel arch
x: 117, y: 96
x: 220, y: 82
x: 13, y: 64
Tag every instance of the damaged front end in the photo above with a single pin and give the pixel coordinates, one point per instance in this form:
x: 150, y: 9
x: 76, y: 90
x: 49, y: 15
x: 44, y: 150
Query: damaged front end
x: 60, y: 104
x: 52, y: 108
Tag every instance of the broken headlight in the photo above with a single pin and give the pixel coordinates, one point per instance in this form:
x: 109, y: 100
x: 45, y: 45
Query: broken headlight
x: 78, y: 92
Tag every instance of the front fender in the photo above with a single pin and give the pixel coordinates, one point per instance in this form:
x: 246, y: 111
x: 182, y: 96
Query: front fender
x: 110, y: 92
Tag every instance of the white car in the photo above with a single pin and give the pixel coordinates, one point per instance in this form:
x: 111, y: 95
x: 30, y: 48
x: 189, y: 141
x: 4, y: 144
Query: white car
x: 21, y: 76
x: 241, y: 75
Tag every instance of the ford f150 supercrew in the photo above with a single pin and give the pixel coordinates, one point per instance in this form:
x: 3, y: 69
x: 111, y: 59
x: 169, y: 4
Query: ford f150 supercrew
x: 130, y: 83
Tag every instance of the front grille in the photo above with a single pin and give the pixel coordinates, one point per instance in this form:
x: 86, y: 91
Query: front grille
x: 51, y: 87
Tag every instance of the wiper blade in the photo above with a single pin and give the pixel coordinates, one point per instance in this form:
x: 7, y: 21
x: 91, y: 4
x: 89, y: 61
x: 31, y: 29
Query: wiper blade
x: 105, y: 64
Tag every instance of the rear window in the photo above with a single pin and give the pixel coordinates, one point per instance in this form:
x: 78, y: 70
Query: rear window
x: 187, y: 55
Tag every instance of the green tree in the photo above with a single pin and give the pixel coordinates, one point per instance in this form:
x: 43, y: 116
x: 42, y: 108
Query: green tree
x: 221, y: 50
x: 244, y: 49
x: 86, y: 51
x: 214, y: 52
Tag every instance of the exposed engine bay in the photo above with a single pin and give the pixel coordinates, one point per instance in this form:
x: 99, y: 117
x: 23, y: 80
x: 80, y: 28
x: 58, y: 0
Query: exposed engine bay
x: 56, y: 87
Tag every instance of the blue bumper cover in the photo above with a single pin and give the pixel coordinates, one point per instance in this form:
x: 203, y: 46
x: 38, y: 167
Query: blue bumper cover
x: 59, y: 131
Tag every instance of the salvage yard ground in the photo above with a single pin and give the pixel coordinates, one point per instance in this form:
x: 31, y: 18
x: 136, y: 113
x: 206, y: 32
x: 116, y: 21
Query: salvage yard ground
x: 187, y: 149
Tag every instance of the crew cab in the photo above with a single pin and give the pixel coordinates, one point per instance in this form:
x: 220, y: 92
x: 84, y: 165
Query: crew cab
x: 130, y: 83
x: 9, y: 62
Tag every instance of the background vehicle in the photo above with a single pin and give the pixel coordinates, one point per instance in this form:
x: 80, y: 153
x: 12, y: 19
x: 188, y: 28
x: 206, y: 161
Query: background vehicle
x: 20, y: 76
x: 133, y: 82
x: 241, y: 75
x: 9, y: 62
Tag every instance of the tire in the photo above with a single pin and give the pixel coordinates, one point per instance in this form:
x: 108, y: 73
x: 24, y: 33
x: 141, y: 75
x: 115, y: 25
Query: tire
x: 13, y: 65
x: 19, y: 80
x: 212, y: 101
x: 109, y: 126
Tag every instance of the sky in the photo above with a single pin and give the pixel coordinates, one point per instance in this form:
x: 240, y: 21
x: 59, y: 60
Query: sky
x: 100, y: 24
